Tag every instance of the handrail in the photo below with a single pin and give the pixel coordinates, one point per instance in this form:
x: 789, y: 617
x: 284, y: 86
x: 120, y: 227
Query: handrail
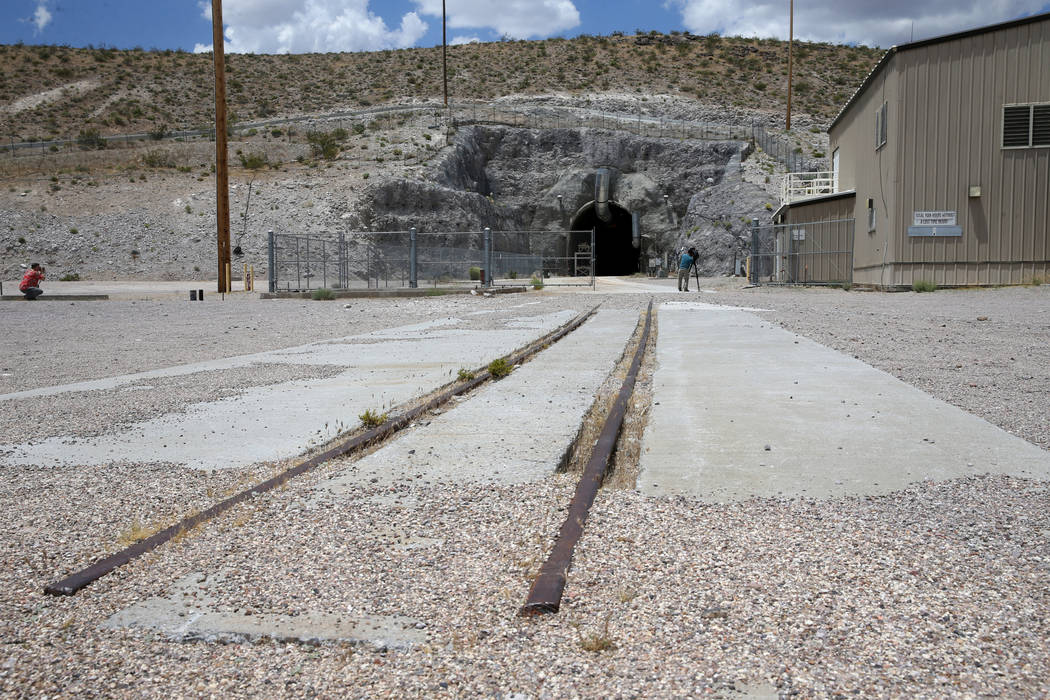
x: 797, y: 186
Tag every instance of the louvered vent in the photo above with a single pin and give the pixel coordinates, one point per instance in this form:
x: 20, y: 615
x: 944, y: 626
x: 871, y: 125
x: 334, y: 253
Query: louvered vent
x: 1017, y: 123
x: 1041, y: 125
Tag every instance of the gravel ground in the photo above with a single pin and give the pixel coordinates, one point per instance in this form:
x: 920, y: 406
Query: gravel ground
x: 939, y: 590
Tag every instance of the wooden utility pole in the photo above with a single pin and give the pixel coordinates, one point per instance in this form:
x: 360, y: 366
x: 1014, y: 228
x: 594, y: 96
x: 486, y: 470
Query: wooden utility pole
x: 222, y: 175
x: 444, y: 52
x: 791, y: 42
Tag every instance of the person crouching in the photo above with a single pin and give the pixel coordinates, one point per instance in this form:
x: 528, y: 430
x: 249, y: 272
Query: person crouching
x: 30, y: 285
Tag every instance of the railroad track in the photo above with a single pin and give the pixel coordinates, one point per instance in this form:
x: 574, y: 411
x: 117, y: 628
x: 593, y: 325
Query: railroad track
x: 546, y: 593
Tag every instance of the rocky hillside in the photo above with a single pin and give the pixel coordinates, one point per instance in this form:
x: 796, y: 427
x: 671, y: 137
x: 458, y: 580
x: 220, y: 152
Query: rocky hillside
x: 57, y: 92
x: 331, y: 159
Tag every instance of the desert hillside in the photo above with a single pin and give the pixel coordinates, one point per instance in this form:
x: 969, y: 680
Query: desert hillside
x: 57, y: 92
x: 347, y: 142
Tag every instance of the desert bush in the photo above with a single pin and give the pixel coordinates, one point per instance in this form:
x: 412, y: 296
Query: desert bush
x: 323, y: 294
x: 158, y: 159
x: 324, y: 144
x: 253, y: 161
x: 90, y: 139
x: 923, y: 286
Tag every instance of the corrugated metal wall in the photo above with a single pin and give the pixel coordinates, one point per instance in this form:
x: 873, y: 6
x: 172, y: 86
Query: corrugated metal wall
x: 953, y: 94
x: 870, y: 173
x: 945, y: 103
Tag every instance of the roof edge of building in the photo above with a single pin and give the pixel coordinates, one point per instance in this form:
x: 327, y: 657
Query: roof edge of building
x: 814, y: 199
x: 894, y: 50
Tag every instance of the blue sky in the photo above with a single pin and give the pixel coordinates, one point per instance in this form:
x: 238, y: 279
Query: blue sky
x: 278, y: 26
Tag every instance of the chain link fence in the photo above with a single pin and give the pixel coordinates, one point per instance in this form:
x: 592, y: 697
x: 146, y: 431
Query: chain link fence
x: 788, y: 155
x: 817, y: 253
x: 409, y: 259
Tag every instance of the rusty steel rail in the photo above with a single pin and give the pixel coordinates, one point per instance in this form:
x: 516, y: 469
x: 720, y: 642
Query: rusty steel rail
x: 545, y: 594
x: 75, y: 582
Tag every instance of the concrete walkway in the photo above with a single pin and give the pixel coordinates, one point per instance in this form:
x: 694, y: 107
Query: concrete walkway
x: 744, y: 408
x: 279, y: 421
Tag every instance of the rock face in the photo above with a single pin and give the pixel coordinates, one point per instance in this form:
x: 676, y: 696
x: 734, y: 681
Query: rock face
x: 543, y: 180
x: 159, y: 223
x: 719, y: 218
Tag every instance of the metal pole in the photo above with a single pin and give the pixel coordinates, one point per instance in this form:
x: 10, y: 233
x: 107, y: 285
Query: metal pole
x: 487, y: 257
x: 791, y: 42
x: 271, y: 266
x: 444, y: 52
x: 413, y: 279
x: 593, y: 258
x: 222, y: 178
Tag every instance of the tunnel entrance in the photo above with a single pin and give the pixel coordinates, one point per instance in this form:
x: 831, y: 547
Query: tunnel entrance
x: 614, y: 253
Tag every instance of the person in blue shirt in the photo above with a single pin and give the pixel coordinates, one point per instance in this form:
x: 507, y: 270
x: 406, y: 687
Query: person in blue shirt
x: 685, y: 266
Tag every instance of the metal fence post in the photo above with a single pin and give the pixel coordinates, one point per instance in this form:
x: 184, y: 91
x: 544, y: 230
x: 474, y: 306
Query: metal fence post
x: 753, y: 278
x: 413, y: 281
x: 344, y: 268
x: 488, y: 257
x: 271, y: 270
x: 592, y: 257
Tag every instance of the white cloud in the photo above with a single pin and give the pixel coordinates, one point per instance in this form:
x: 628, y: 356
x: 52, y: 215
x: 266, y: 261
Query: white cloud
x: 519, y: 19
x: 310, y: 26
x: 460, y: 40
x: 42, y: 17
x: 883, y: 23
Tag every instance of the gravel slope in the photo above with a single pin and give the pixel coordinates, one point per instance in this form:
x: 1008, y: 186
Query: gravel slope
x: 938, y: 590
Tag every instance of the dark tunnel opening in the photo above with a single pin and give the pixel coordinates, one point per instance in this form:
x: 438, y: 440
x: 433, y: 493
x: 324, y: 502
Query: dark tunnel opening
x: 614, y: 253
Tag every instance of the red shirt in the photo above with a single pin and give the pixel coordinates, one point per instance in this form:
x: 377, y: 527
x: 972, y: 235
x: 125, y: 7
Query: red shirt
x: 31, y: 279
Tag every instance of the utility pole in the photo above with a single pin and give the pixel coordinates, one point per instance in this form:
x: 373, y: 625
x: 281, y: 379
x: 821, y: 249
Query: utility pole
x: 444, y: 52
x: 791, y: 42
x: 222, y: 176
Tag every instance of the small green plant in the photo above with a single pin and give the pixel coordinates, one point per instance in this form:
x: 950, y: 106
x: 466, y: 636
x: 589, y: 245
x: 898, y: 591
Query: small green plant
x: 512, y: 274
x: 597, y: 641
x: 923, y: 286
x: 73, y: 230
x: 475, y: 273
x: 70, y: 277
x: 499, y: 368
x: 536, y: 282
x: 323, y: 294
x: 465, y: 375
x: 372, y: 419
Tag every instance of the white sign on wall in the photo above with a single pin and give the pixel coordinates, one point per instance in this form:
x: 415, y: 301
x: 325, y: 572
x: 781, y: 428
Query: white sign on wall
x: 935, y: 218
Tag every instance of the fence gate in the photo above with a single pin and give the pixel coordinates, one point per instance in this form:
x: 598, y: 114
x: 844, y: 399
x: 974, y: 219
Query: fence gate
x: 819, y: 252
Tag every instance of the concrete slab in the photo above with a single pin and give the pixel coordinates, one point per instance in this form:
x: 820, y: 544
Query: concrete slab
x: 275, y: 422
x: 744, y: 408
x: 511, y: 431
x: 189, y: 612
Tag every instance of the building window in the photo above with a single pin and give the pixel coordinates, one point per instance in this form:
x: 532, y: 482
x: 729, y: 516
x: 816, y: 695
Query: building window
x: 1026, y: 126
x: 871, y: 215
x: 880, y: 127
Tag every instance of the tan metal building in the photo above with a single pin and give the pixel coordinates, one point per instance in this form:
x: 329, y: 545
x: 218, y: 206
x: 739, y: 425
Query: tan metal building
x: 946, y: 146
